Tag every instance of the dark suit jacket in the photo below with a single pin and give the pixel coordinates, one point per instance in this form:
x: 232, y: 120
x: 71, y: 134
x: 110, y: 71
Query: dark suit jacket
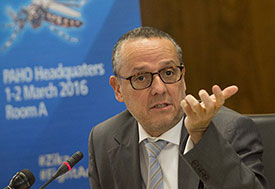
x: 228, y: 156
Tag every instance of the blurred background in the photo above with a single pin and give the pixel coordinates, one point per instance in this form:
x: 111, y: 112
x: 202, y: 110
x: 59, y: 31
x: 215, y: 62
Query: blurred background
x: 224, y: 42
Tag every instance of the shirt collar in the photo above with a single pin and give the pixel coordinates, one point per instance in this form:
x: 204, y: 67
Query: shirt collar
x: 171, y: 136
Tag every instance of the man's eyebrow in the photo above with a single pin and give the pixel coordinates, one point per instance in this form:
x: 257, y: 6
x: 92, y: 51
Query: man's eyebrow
x: 137, y: 69
x: 169, y: 63
x: 145, y: 68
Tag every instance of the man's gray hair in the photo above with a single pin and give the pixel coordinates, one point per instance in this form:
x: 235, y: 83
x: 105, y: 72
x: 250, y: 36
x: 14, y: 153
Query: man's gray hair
x: 141, y: 32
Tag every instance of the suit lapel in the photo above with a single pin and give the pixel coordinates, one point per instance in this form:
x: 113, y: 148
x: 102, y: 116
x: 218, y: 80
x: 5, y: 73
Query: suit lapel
x: 186, y: 176
x: 124, y: 156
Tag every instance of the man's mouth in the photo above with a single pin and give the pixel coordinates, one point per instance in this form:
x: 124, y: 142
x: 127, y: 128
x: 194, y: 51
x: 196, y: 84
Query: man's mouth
x: 161, y: 105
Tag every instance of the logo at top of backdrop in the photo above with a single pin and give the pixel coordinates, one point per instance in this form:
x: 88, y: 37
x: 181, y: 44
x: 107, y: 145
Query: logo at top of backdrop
x: 58, y: 14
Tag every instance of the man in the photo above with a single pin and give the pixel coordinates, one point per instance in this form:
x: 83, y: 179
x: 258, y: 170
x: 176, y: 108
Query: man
x: 196, y: 144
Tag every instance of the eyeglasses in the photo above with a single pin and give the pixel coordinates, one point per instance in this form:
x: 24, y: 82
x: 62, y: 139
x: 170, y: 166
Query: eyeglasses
x: 144, y: 80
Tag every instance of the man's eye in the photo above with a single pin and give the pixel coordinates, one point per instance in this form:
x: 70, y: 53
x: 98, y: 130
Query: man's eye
x: 169, y: 72
x: 139, y: 78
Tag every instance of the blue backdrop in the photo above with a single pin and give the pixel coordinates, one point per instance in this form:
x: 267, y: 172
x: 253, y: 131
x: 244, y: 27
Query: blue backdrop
x: 55, y: 64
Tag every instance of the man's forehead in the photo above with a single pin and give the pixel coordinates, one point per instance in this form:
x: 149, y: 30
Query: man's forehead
x: 150, y: 54
x: 147, y: 48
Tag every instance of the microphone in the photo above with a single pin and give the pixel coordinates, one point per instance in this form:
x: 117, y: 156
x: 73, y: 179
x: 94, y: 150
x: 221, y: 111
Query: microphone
x: 21, y: 180
x: 65, y: 167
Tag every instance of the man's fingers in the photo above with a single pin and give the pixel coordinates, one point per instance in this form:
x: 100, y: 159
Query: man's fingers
x: 219, y: 97
x: 229, y: 91
x: 207, y: 101
x: 187, y: 108
x: 195, y: 105
x: 210, y: 104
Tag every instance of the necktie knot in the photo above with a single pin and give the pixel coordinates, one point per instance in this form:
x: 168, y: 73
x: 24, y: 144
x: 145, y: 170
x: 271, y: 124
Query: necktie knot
x: 154, y: 148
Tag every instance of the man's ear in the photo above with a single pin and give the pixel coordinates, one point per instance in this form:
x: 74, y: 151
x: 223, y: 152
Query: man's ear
x: 116, y: 87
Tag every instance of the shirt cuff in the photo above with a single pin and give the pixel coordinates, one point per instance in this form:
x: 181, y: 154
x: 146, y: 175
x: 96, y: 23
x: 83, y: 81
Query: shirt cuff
x: 189, y: 145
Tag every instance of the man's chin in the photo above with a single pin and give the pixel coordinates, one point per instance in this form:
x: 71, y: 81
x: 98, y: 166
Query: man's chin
x: 163, y: 122
x: 167, y: 120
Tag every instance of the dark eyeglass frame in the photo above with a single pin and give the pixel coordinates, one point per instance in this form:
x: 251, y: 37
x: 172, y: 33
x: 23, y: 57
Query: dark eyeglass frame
x: 181, y: 67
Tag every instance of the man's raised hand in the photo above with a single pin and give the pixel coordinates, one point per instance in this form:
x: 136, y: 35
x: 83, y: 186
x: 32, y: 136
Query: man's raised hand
x: 200, y: 114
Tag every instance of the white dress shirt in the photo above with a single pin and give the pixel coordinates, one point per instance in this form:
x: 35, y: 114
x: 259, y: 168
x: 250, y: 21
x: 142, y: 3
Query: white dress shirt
x: 168, y: 157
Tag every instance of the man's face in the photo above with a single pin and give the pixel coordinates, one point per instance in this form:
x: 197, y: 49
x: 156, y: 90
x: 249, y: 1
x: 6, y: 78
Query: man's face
x: 156, y: 108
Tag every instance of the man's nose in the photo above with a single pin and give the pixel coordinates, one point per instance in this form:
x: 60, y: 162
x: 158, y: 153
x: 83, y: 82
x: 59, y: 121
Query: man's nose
x: 158, y: 86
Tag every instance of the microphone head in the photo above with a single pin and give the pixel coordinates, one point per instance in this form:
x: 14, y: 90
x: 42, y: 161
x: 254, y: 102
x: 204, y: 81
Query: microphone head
x: 22, y: 180
x: 29, y: 175
x: 76, y: 157
x: 67, y: 165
